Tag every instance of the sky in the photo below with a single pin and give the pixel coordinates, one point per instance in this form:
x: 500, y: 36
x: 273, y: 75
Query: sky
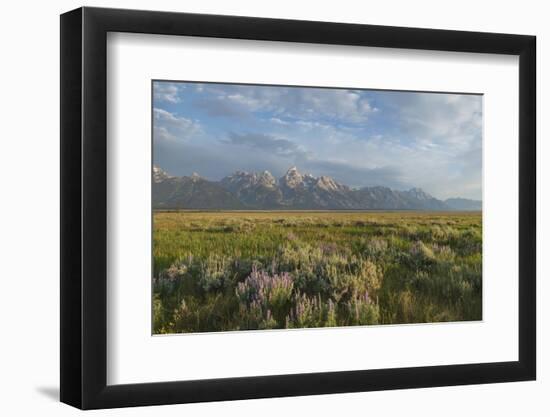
x: 361, y: 138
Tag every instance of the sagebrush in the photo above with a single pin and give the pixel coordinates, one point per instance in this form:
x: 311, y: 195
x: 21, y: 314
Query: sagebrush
x: 224, y: 271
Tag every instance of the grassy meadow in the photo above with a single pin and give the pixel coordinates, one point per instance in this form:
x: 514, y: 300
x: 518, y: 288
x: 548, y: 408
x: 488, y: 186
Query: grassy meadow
x: 224, y: 271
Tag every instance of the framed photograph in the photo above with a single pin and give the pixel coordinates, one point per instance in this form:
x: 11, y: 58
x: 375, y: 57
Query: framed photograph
x: 256, y: 208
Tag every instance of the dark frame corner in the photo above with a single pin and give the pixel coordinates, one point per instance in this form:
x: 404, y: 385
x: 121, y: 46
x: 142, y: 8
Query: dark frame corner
x: 83, y: 207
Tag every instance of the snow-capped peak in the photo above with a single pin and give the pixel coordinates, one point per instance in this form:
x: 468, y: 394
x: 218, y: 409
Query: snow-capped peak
x: 292, y: 178
x: 195, y: 176
x: 327, y: 183
x: 159, y: 175
x: 265, y: 178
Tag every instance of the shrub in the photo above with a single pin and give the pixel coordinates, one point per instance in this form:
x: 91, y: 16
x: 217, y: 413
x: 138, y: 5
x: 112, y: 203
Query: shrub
x: 220, y: 271
x: 307, y: 312
x: 376, y: 247
x: 215, y: 272
x: 362, y: 310
x: 266, y: 297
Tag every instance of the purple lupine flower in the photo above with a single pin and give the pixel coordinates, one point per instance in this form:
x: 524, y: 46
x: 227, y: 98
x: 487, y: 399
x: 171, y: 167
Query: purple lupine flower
x: 259, y: 285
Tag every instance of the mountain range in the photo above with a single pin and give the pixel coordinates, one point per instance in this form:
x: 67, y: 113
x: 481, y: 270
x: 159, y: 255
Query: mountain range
x: 293, y: 191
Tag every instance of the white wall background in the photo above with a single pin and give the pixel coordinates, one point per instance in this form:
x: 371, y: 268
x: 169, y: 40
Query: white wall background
x: 29, y: 212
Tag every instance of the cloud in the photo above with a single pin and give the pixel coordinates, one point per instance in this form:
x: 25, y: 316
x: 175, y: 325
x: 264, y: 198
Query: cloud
x: 168, y: 126
x: 450, y: 120
x: 170, y: 119
x: 160, y: 133
x: 167, y: 92
x: 220, y: 106
x: 277, y: 121
x: 265, y: 143
x: 357, y: 176
x: 347, y: 106
x: 341, y: 105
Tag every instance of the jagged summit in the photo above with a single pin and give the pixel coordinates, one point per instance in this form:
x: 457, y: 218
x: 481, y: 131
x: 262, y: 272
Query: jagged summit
x: 250, y: 178
x: 266, y: 179
x: 159, y: 175
x: 292, y: 178
x: 196, y: 177
x: 419, y: 193
x: 327, y: 183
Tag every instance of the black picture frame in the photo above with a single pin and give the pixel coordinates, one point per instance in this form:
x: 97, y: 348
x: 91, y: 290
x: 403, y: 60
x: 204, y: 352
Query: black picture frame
x: 84, y: 207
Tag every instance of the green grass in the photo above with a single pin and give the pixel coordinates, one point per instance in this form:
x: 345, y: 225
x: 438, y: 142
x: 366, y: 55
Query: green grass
x: 220, y: 271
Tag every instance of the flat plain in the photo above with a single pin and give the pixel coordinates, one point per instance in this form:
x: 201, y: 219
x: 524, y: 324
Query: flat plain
x: 250, y: 270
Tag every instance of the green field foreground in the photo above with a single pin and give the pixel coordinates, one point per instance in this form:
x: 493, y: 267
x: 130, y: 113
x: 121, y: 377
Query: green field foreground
x: 224, y: 271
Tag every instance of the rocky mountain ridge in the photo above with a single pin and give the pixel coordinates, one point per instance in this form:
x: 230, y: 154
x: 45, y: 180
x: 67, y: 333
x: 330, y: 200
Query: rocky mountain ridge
x: 293, y: 191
